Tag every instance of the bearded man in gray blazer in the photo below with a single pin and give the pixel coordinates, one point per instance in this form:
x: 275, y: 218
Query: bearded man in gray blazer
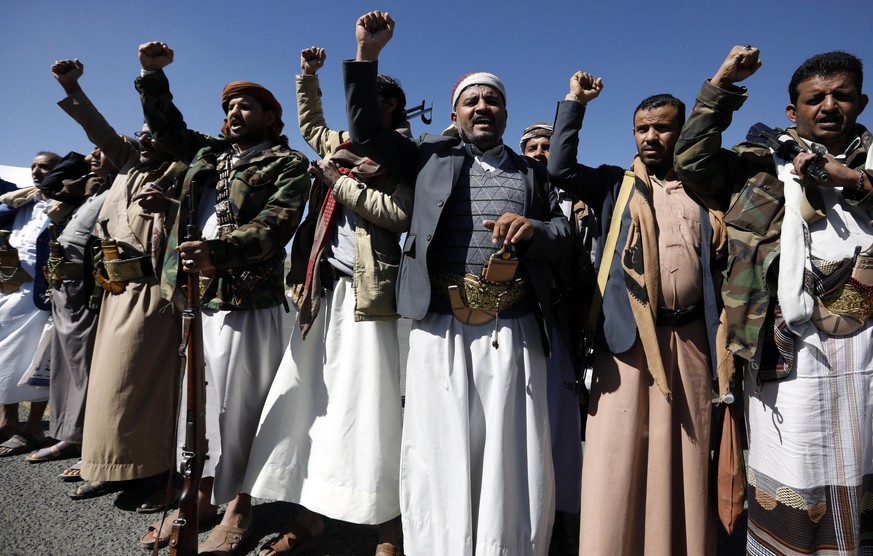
x: 476, y: 469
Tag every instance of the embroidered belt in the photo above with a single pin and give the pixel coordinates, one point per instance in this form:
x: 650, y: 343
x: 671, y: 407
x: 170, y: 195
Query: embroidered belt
x: 125, y: 270
x: 853, y: 299
x: 58, y: 269
x: 478, y: 293
x: 11, y: 278
x: 11, y: 273
x: 845, y: 308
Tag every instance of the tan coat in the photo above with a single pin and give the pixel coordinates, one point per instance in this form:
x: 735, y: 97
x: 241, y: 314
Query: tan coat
x: 130, y: 410
x: 382, y: 206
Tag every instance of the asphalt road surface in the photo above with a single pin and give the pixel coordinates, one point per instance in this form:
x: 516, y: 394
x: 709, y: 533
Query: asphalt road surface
x: 37, y: 517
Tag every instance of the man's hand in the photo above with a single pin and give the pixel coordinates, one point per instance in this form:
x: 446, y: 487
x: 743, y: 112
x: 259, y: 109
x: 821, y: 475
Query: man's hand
x: 841, y: 175
x: 152, y: 200
x: 511, y: 228
x: 155, y: 55
x: 739, y: 65
x: 373, y: 31
x: 196, y: 256
x: 584, y: 88
x: 68, y: 72
x: 325, y: 170
x: 312, y: 59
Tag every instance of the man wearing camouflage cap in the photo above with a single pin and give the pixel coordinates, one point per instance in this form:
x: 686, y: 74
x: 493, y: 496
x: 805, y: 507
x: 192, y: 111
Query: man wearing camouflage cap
x: 249, y: 190
x: 464, y: 490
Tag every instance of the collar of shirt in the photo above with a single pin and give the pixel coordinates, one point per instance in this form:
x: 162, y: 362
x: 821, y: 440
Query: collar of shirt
x: 840, y: 157
x: 243, y: 155
x: 495, y: 158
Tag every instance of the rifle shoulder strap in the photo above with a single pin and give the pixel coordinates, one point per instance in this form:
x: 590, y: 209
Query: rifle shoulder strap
x: 627, y: 185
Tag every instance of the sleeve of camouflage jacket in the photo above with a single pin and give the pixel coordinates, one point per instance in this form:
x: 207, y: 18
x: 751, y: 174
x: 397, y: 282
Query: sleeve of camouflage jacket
x: 310, y: 116
x: 390, y: 211
x: 268, y: 232
x: 120, y: 151
x: 700, y: 161
x: 165, y: 121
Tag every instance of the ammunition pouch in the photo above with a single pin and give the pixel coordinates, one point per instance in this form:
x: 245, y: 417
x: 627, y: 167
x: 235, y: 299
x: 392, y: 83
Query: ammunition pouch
x: 244, y: 280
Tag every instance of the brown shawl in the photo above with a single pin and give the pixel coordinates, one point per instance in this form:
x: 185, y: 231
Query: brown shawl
x: 641, y: 264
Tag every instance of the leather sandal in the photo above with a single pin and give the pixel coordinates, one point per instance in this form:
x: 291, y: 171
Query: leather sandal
x: 94, y: 489
x: 296, y: 539
x: 60, y: 450
x: 163, y: 535
x: 224, y: 539
x: 21, y: 443
x: 387, y: 549
x: 163, y: 530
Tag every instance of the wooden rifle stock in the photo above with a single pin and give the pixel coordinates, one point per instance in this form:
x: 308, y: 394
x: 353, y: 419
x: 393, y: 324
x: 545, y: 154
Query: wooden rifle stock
x: 183, y: 538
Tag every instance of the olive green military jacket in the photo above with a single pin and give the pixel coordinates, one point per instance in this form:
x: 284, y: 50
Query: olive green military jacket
x: 267, y: 195
x: 744, y: 179
x: 382, y: 206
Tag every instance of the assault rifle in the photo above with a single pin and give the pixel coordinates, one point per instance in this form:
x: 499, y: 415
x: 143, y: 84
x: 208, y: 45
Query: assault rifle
x: 183, y: 538
x: 787, y: 149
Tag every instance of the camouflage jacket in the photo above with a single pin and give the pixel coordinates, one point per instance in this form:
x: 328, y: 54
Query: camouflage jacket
x: 267, y: 195
x: 382, y: 206
x: 744, y: 181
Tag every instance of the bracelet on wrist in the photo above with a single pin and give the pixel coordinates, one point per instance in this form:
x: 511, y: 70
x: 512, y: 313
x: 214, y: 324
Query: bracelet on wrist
x: 859, y: 187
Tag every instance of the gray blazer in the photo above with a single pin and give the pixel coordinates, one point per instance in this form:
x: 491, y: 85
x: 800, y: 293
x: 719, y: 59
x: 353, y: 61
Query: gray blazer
x: 433, y: 164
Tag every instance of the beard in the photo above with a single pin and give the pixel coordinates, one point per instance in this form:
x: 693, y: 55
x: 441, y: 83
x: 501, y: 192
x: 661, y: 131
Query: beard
x: 483, y: 140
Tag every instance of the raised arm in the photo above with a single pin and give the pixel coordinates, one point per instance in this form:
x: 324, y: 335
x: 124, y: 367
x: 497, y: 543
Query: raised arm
x: 322, y: 139
x: 396, y: 152
x: 164, y: 120
x: 591, y: 185
x: 700, y: 161
x: 79, y: 107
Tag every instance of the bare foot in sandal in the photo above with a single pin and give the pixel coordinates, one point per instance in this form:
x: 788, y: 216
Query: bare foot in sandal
x: 72, y: 473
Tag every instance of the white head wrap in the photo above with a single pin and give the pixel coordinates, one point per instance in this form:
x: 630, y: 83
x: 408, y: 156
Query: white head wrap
x: 477, y: 78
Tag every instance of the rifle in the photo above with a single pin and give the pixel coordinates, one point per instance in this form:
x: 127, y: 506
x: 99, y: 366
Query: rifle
x: 183, y: 538
x: 420, y: 110
x: 787, y: 149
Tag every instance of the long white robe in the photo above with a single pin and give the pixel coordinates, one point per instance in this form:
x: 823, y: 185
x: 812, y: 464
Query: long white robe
x: 21, y: 323
x: 476, y: 462
x: 329, y: 437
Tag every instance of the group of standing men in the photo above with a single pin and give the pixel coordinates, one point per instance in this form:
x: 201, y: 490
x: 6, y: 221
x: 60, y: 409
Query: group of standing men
x: 726, y: 270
